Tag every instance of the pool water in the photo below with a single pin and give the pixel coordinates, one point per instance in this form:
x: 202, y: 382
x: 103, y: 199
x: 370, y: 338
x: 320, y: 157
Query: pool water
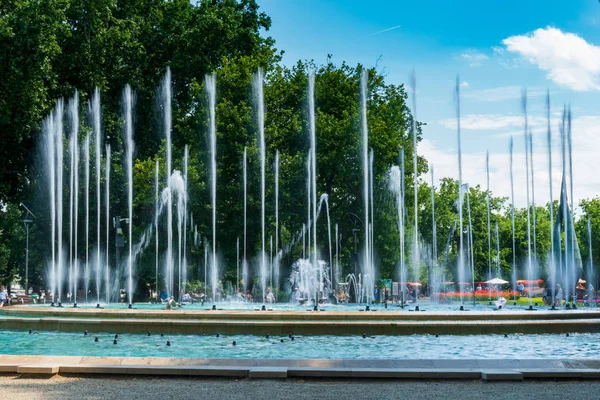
x: 425, y: 305
x: 516, y: 346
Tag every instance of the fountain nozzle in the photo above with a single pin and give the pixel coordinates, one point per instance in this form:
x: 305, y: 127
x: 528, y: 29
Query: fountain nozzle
x: 367, y: 308
x: 416, y: 308
x: 130, y: 306
x: 315, y: 308
x: 74, y: 305
x: 52, y: 304
x: 263, y: 308
x: 214, y: 307
x: 98, y: 305
x: 59, y: 304
x: 462, y: 308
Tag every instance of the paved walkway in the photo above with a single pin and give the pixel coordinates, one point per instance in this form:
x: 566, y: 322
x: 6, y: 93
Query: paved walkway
x: 59, y: 387
x: 490, y: 370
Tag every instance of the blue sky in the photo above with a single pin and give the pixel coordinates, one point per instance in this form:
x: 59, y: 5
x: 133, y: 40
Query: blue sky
x: 497, y: 48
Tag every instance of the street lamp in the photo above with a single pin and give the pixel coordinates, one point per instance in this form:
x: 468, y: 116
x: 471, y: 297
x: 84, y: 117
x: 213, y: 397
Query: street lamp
x: 27, y: 221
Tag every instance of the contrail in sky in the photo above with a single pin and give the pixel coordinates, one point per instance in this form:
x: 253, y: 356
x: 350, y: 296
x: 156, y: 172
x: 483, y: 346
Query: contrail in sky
x: 385, y: 30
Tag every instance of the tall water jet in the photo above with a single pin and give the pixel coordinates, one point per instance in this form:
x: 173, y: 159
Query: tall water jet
x: 433, y: 287
x: 415, y: 253
x: 470, y: 239
x: 95, y: 111
x: 337, y: 259
x: 276, y: 261
x: 512, y: 216
x: 308, y: 203
x: 51, y: 158
x: 211, y: 91
x: 87, y: 216
x: 590, y: 274
x: 372, y: 219
x: 244, y: 260
x: 401, y: 214
x: 533, y: 220
x: 572, y: 208
x: 59, y: 194
x: 489, y: 232
x: 313, y: 167
x: 367, y: 267
x: 498, y: 271
x: 526, y: 135
x: 74, y: 117
x: 128, y: 130
x: 166, y: 104
x: 183, y: 272
x: 260, y: 114
x: 565, y: 211
x: 551, y: 203
x: 461, y: 262
x: 107, y: 185
x: 72, y: 145
x: 157, y: 200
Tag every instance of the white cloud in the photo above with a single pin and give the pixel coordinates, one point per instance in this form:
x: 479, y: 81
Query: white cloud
x: 464, y: 84
x: 586, y: 181
x: 567, y: 58
x: 482, y: 122
x: 474, y: 57
x: 502, y: 93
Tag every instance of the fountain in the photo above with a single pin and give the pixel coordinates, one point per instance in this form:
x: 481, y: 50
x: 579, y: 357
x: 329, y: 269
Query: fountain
x: 489, y: 233
x: 461, y: 262
x: 276, y: 260
x: 245, y: 275
x: 416, y: 260
x: 107, y: 187
x: 260, y: 114
x: 551, y: 203
x: 157, y: 199
x: 526, y: 135
x: 368, y: 267
x: 128, y: 103
x: 59, y: 196
x: 86, y: 277
x: 317, y: 278
x: 512, y: 215
x: 73, y: 107
x: 211, y: 92
x: 166, y: 109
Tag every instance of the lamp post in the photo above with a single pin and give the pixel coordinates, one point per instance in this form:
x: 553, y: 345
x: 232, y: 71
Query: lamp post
x: 27, y: 221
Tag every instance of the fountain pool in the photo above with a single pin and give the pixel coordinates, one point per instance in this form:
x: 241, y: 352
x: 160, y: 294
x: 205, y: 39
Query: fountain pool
x: 576, y: 346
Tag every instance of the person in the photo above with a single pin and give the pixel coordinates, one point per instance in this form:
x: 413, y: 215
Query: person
x: 163, y: 295
x: 269, y: 297
x: 547, y: 296
x: 186, y: 298
x: 4, y: 299
x: 248, y: 296
x: 172, y: 303
x: 479, y: 287
x: 521, y: 289
x: 559, y: 295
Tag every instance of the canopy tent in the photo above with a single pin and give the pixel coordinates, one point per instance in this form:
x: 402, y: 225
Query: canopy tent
x: 497, y: 281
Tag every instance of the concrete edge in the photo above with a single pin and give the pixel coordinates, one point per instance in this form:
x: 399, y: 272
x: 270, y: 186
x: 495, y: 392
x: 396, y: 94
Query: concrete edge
x: 274, y: 372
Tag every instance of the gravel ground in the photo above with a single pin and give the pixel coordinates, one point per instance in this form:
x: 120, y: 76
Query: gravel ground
x: 108, y: 387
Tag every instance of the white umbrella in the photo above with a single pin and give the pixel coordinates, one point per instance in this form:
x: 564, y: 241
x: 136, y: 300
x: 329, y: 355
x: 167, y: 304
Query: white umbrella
x: 496, y: 281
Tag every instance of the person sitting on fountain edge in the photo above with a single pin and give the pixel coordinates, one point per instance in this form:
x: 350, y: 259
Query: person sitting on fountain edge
x: 163, y: 295
x: 172, y: 304
x: 269, y: 297
x: 4, y: 298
